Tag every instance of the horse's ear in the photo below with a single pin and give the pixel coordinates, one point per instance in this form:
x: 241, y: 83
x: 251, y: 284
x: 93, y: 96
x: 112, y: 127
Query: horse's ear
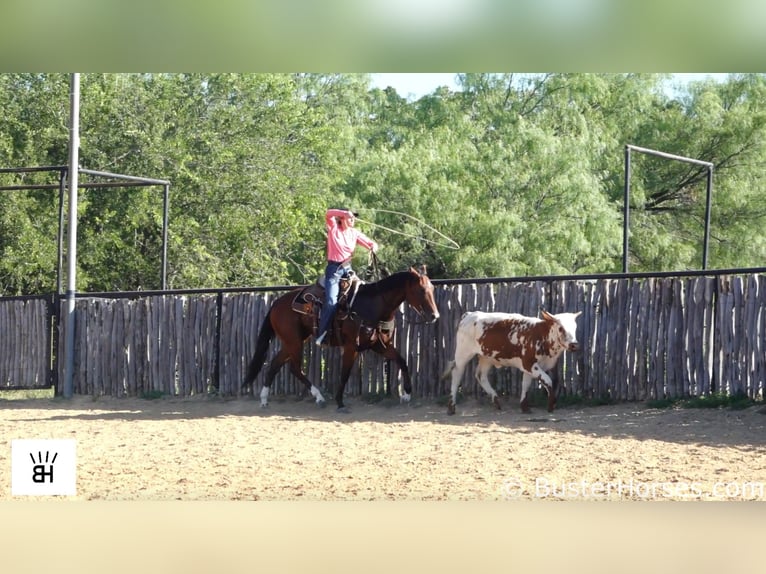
x: 423, y: 269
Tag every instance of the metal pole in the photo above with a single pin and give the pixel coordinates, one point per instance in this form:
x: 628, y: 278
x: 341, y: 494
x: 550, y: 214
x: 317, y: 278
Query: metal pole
x: 165, y: 200
x: 669, y: 155
x: 626, y: 211
x: 707, y: 215
x: 148, y: 180
x: 74, y: 160
x: 60, y: 244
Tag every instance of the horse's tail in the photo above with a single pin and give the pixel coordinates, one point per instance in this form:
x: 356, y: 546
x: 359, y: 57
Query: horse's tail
x: 448, y: 370
x: 261, y: 348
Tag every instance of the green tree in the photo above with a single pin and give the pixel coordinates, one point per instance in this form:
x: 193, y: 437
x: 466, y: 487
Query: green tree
x: 724, y: 124
x: 524, y: 172
x: 33, y: 132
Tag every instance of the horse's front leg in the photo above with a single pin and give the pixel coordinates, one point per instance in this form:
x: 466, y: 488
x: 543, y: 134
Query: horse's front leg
x: 391, y: 353
x: 349, y: 356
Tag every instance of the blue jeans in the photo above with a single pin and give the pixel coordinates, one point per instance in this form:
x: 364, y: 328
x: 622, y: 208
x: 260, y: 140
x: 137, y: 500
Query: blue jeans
x: 332, y: 276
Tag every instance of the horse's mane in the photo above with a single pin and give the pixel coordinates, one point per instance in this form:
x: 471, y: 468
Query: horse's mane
x: 387, y: 283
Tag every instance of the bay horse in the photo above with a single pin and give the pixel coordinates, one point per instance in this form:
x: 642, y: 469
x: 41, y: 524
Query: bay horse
x: 367, y: 324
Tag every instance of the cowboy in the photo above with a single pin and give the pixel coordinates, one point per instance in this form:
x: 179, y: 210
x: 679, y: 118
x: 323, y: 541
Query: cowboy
x: 342, y: 238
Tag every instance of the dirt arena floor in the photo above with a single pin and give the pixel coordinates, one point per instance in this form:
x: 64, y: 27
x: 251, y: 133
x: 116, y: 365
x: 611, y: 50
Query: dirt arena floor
x: 215, y: 449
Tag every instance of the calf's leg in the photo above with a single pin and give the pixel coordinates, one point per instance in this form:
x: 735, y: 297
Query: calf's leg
x: 482, y: 375
x: 537, y: 373
x: 458, y: 367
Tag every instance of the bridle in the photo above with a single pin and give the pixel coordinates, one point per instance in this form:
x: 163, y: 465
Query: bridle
x: 376, y: 271
x: 419, y: 310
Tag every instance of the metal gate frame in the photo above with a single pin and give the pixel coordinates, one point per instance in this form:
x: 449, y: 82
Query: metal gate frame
x: 54, y: 301
x: 626, y: 201
x: 123, y: 181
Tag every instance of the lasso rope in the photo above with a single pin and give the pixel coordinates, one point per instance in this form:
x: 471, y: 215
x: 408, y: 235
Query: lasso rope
x: 451, y: 245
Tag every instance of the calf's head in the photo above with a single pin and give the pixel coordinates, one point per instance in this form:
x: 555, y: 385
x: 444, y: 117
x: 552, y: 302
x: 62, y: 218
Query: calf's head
x: 565, y: 325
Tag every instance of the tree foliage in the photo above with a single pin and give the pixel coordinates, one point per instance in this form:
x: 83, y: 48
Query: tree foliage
x: 524, y: 172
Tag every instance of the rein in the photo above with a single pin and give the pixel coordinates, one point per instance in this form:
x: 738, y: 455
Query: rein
x: 420, y: 314
x: 374, y: 263
x: 375, y: 270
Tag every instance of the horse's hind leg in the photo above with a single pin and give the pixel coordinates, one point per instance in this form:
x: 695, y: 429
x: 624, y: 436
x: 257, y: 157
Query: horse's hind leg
x: 276, y: 363
x: 295, y: 368
x: 294, y: 358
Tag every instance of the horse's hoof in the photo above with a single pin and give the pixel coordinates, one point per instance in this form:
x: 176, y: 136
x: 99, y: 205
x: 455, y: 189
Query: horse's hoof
x: 451, y: 409
x: 321, y: 404
x: 496, y: 402
x: 264, y: 405
x: 343, y: 409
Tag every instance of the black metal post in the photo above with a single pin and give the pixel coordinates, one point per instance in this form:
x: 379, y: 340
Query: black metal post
x: 626, y: 211
x: 165, y: 200
x: 707, y: 215
x: 217, y: 354
x: 52, y: 319
x: 60, y: 265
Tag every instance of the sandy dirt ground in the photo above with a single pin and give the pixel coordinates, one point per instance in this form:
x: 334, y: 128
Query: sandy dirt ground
x: 214, y: 449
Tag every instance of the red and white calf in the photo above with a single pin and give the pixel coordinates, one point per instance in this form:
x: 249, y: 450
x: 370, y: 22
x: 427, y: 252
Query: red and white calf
x: 511, y: 340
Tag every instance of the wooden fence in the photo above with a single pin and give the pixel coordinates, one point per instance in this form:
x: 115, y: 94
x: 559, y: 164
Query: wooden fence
x: 641, y: 337
x: 25, y: 342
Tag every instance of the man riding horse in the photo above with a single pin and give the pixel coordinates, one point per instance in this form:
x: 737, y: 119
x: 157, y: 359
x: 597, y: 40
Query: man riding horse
x: 342, y: 238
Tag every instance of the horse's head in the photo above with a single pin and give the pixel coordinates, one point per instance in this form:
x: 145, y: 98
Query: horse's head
x: 420, y: 295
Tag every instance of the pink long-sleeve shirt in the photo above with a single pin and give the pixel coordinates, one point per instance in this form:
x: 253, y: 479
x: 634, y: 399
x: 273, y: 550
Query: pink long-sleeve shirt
x: 341, y: 242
